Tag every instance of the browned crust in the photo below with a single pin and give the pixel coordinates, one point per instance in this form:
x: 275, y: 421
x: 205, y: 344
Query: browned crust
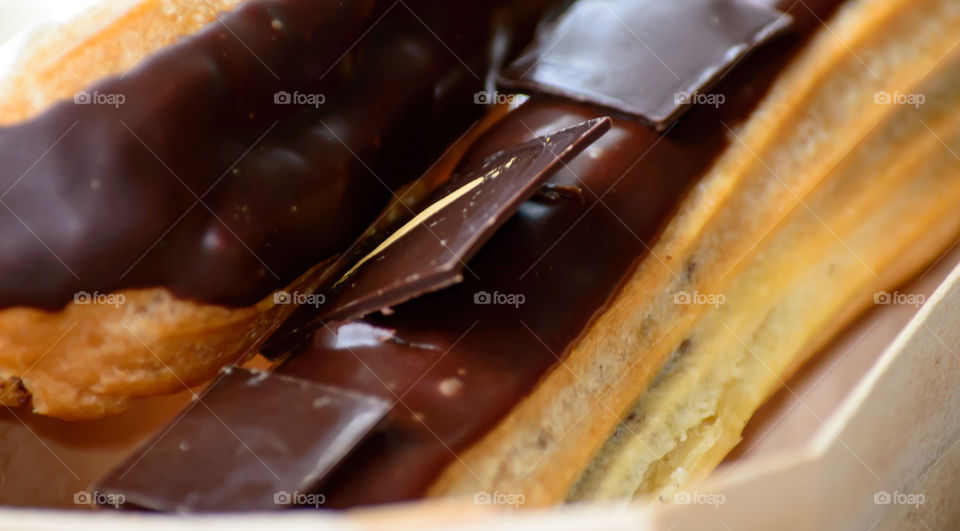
x: 91, y: 360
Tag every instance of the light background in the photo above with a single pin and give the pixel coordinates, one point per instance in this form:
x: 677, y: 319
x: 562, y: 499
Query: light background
x: 16, y: 15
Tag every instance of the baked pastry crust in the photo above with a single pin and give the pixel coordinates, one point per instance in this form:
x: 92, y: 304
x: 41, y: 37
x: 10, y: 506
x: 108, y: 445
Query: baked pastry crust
x: 89, y: 361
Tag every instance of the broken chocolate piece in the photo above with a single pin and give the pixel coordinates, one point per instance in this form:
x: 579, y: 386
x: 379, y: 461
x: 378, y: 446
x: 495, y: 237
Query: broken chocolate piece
x: 431, y: 250
x: 253, y: 441
x: 647, y: 58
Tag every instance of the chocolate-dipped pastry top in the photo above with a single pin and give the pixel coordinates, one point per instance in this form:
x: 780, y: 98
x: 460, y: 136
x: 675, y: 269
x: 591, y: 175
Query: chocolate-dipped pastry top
x: 224, y: 166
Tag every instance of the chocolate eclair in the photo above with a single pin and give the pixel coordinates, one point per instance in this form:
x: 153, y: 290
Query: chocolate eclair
x: 614, y: 342
x: 163, y: 186
x: 724, y: 185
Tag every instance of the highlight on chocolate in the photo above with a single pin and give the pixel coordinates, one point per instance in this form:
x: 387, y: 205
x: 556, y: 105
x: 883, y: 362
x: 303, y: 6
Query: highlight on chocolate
x: 334, y: 256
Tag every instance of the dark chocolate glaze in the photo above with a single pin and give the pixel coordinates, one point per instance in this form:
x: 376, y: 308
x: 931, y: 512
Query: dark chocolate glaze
x: 201, y: 183
x: 459, y: 367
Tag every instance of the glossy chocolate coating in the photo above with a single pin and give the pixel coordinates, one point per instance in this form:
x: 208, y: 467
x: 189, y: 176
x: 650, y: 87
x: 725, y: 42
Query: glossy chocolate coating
x: 459, y: 367
x: 200, y: 182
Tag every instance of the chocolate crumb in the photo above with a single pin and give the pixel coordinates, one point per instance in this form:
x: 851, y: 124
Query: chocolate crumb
x: 554, y: 193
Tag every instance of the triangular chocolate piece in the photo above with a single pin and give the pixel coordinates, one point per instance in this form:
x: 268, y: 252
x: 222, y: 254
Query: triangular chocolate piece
x: 430, y: 251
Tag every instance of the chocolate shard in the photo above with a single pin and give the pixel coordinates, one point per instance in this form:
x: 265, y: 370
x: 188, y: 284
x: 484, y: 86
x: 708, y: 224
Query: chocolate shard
x: 431, y: 250
x: 253, y: 441
x: 648, y: 58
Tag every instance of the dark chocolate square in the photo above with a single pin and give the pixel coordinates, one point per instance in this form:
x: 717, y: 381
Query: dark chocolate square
x: 647, y: 58
x: 253, y: 441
